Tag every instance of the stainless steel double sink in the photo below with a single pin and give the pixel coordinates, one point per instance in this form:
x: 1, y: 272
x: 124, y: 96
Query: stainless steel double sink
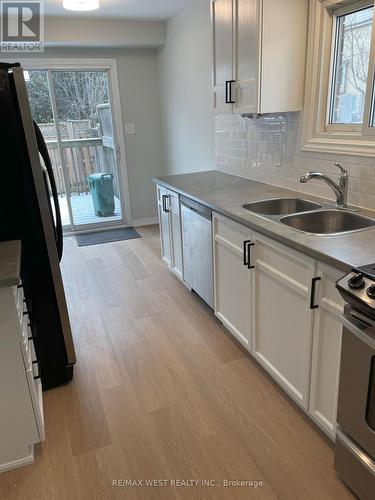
x: 311, y: 217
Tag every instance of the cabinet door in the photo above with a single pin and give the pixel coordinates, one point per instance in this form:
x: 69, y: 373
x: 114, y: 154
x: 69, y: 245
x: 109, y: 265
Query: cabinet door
x: 175, y: 233
x: 326, y: 350
x: 246, y: 67
x: 164, y: 225
x: 222, y: 26
x: 282, y: 318
x: 232, y: 279
x: 284, y: 26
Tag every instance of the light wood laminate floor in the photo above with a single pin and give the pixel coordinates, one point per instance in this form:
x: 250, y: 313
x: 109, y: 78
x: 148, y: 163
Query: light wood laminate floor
x: 162, y: 391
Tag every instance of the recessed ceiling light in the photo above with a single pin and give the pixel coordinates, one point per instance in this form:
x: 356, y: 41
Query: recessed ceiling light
x: 81, y: 5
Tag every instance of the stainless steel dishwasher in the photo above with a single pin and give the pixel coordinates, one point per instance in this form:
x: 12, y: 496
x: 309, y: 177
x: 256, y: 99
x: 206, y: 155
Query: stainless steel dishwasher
x: 197, y: 248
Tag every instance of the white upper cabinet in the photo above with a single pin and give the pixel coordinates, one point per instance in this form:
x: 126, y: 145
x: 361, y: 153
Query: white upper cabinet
x: 222, y: 19
x: 259, y: 49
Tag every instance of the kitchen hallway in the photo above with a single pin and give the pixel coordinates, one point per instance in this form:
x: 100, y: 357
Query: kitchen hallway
x: 162, y: 391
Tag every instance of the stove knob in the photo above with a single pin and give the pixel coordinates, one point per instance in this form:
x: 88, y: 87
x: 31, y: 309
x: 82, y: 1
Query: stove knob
x: 371, y: 292
x: 357, y: 281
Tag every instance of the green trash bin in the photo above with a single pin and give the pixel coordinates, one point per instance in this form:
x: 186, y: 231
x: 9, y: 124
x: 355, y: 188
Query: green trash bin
x: 103, y: 197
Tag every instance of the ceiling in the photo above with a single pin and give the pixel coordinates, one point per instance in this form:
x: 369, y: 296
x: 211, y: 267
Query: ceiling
x: 124, y: 9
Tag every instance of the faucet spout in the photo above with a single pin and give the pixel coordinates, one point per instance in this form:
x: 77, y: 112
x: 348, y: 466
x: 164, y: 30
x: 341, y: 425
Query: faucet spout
x: 340, y: 188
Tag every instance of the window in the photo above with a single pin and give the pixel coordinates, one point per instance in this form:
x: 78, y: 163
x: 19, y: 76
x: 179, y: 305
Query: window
x: 340, y: 105
x: 350, y: 65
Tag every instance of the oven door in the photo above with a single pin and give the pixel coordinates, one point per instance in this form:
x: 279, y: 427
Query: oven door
x: 356, y: 407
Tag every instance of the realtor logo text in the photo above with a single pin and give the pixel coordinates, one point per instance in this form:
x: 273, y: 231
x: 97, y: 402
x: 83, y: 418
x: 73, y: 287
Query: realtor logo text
x: 22, y: 26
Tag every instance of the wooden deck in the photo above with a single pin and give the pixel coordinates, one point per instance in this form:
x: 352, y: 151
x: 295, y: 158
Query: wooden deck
x: 83, y: 211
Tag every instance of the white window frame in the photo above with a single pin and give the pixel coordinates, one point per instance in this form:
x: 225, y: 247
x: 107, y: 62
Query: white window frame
x: 317, y: 133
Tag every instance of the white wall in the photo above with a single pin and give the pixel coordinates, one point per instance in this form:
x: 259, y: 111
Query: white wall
x: 78, y: 32
x: 185, y: 82
x: 137, y: 71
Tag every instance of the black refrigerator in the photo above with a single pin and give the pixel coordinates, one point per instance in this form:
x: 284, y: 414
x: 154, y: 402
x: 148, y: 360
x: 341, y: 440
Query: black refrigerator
x: 26, y: 180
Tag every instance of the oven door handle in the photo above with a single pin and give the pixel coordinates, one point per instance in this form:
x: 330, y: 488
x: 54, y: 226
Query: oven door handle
x: 349, y: 323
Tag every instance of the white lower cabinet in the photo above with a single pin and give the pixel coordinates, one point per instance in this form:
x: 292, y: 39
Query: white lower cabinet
x: 21, y: 415
x: 283, y: 306
x: 325, y: 370
x: 164, y: 225
x: 282, y: 318
x: 280, y: 304
x: 170, y: 228
x: 232, y: 277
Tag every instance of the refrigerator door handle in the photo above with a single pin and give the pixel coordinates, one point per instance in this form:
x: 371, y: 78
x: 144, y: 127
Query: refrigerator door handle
x: 42, y: 147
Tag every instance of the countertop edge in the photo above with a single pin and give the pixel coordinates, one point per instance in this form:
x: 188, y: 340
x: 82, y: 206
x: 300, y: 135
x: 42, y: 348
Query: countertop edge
x: 315, y: 254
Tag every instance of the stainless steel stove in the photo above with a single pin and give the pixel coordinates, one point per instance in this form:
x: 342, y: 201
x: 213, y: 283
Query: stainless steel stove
x: 355, y: 443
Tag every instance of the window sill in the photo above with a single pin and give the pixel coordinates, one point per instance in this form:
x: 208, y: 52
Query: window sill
x: 346, y: 146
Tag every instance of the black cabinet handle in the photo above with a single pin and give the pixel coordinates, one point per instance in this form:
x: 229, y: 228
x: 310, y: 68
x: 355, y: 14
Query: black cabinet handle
x: 37, y: 362
x: 313, y: 288
x: 228, y: 92
x: 249, y: 255
x: 246, y: 253
x: 164, y: 201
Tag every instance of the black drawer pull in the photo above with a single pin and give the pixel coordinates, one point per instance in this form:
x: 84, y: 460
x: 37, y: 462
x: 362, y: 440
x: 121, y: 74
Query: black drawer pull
x: 164, y: 200
x: 37, y: 377
x: 249, y: 255
x: 246, y: 253
x: 228, y: 92
x: 313, y: 288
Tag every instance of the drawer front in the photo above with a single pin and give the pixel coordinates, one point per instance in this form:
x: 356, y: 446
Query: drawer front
x: 283, y: 262
x: 232, y: 232
x: 19, y: 300
x: 35, y: 387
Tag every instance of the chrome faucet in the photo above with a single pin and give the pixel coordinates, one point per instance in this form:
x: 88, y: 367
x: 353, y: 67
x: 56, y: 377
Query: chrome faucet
x: 340, y: 188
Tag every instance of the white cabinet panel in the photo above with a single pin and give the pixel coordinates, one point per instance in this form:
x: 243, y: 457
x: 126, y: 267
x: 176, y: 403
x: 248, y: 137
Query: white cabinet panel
x: 175, y: 233
x: 165, y: 239
x: 232, y: 279
x: 282, y: 318
x: 325, y: 370
x: 284, y: 39
x: 222, y: 23
x: 261, y: 45
x: 21, y: 415
x: 170, y: 228
x: 246, y: 61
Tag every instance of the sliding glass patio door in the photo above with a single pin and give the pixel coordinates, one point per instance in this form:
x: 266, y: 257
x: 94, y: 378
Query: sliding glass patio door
x: 73, y: 109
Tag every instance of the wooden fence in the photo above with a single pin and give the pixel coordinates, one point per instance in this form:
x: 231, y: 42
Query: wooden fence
x: 82, y: 157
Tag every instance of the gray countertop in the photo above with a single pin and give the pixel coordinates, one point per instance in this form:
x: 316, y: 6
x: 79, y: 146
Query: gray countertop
x: 226, y: 194
x: 10, y: 263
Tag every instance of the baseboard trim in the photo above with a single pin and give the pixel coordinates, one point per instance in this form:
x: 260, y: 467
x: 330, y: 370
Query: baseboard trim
x: 21, y: 462
x: 150, y: 221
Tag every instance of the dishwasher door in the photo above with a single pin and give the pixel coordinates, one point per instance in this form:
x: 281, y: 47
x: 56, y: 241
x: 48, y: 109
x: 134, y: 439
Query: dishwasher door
x: 197, y: 249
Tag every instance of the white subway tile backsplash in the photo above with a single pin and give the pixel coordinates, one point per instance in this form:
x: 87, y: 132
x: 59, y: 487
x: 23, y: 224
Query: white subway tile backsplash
x: 268, y: 149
